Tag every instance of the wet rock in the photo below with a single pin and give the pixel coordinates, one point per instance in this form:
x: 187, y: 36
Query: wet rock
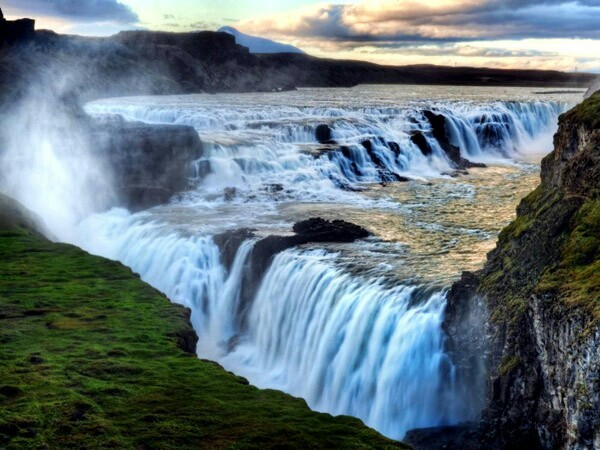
x: 321, y: 230
x: 459, y: 437
x: 313, y: 230
x: 323, y: 134
x: 307, y: 231
x: 229, y: 243
x: 186, y: 337
x: 420, y: 141
x: 394, y: 147
x: 149, y: 163
x: 440, y: 133
x: 385, y: 174
x: 229, y: 193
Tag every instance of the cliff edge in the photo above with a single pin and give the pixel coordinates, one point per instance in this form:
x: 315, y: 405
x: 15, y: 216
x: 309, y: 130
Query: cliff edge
x: 534, y: 310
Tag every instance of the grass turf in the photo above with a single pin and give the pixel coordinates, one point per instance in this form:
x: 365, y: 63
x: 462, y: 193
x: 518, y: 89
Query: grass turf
x: 89, y: 358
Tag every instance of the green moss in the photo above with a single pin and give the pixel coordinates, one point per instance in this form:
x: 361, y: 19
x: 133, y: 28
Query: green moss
x: 577, y: 278
x: 508, y: 364
x: 587, y: 113
x: 89, y: 359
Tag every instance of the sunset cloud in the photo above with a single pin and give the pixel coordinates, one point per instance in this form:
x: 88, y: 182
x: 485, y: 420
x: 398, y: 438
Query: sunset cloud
x: 465, y: 32
x: 446, y: 20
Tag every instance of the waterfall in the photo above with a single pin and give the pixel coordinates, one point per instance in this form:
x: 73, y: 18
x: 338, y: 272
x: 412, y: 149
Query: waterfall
x: 367, y: 344
x: 347, y: 344
x: 249, y: 147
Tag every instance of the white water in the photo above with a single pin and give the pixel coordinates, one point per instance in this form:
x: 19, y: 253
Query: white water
x: 347, y: 344
x: 348, y: 340
x: 252, y: 146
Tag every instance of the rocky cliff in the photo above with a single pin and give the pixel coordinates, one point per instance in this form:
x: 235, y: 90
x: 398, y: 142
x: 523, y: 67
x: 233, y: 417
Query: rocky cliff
x: 149, y: 163
x: 531, y: 317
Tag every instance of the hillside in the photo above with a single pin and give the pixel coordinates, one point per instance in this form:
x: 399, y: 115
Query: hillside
x: 146, y: 62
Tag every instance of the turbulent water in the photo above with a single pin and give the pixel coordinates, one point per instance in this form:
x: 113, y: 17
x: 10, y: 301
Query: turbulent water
x: 352, y: 328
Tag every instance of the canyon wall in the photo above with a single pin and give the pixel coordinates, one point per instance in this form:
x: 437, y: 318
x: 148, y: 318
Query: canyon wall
x: 533, y: 312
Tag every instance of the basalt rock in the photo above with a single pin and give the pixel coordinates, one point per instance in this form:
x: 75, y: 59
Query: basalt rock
x: 440, y: 133
x: 315, y: 230
x: 308, y: 231
x: 533, y: 313
x: 385, y: 174
x: 419, y: 139
x: 229, y: 243
x: 149, y: 163
x: 323, y: 134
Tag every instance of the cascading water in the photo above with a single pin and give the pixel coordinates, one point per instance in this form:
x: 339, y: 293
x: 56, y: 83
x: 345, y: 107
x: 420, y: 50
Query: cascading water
x: 250, y: 146
x: 354, y: 328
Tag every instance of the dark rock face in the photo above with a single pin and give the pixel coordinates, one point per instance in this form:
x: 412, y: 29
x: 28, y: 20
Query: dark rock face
x: 533, y: 306
x: 307, y: 231
x: 13, y: 31
x: 186, y: 336
x: 466, y: 326
x: 321, y: 230
x: 461, y: 437
x: 420, y: 141
x: 150, y: 163
x: 229, y: 243
x: 323, y: 134
x: 384, y: 173
x: 440, y: 133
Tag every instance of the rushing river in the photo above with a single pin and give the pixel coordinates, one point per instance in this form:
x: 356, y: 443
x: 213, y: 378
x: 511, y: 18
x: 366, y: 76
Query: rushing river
x: 352, y: 328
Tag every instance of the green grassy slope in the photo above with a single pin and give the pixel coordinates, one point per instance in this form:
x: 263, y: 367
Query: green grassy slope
x: 90, y: 357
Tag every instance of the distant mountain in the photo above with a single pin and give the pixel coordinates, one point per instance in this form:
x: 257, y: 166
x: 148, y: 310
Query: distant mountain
x: 259, y: 45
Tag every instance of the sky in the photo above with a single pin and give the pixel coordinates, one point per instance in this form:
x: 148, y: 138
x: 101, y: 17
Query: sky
x: 529, y: 34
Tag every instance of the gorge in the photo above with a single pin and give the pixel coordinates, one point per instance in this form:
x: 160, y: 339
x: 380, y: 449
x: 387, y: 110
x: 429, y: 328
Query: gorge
x: 318, y: 237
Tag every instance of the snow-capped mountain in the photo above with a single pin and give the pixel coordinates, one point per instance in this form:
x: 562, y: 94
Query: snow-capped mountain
x: 259, y: 45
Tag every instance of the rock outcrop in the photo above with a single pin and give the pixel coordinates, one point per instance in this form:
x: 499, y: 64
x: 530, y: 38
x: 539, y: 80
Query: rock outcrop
x: 149, y: 163
x: 535, y: 307
x: 440, y: 133
x: 12, y: 31
x: 308, y: 231
x: 314, y: 230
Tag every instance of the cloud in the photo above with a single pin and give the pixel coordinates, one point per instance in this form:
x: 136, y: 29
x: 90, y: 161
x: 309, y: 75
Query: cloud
x: 75, y: 10
x: 441, y: 20
x: 552, y: 34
